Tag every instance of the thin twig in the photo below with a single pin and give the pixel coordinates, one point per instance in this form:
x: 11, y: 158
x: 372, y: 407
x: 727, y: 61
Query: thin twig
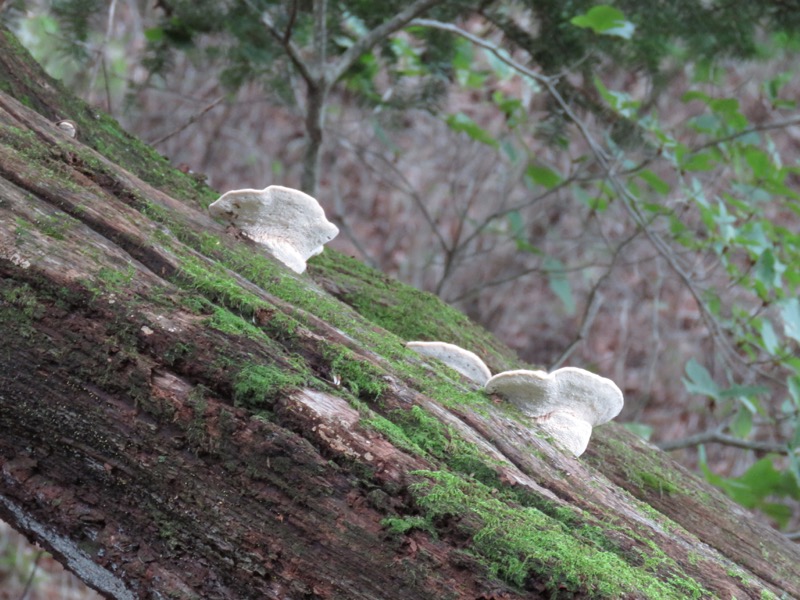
x: 29, y: 582
x: 106, y: 84
x: 717, y: 437
x: 339, y: 218
x: 287, y: 33
x: 320, y: 33
x: 593, y: 303
x: 361, y: 151
x: 754, y: 129
x: 590, y: 312
x: 191, y: 120
x: 100, y: 56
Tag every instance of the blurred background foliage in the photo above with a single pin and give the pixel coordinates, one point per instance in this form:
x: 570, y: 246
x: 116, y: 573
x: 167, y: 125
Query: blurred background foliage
x: 612, y: 186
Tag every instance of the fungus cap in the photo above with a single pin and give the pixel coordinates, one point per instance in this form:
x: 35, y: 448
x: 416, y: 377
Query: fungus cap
x: 68, y: 127
x: 465, y: 362
x: 566, y: 403
x: 290, y: 223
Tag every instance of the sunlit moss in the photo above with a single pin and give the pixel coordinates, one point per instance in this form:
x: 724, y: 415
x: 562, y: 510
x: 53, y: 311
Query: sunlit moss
x: 518, y: 542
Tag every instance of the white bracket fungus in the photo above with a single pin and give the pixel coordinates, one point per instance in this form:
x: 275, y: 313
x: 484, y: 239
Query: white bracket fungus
x: 291, y: 224
x: 68, y: 127
x: 465, y: 362
x: 566, y: 403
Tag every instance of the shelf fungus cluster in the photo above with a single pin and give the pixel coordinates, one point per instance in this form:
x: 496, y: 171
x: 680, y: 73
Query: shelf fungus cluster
x: 566, y: 404
x: 291, y: 225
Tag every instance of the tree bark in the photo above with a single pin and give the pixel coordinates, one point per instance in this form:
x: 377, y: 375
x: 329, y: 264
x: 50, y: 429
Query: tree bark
x: 182, y: 417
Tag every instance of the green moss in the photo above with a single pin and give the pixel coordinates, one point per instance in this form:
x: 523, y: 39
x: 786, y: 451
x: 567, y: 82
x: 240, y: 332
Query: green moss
x: 41, y: 163
x: 24, y: 298
x: 54, y: 226
x: 177, y: 353
x: 401, y: 525
x: 225, y: 321
x: 642, y: 470
x: 257, y: 386
x: 218, y: 286
x: 416, y: 431
x: 359, y: 376
x: 116, y: 280
x: 520, y: 543
x: 196, y: 432
x: 655, y: 482
x: 405, y: 311
x: 394, y: 433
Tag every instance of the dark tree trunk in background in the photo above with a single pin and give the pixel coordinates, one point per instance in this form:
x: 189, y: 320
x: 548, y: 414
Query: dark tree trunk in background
x: 183, y: 418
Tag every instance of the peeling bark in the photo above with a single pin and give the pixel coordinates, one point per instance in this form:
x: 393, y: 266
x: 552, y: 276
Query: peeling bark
x: 179, y: 422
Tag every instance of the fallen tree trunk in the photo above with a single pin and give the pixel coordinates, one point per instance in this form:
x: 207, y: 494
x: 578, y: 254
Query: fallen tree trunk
x: 180, y: 416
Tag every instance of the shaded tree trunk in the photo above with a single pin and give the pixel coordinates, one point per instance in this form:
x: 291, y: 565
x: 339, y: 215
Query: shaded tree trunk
x: 182, y: 417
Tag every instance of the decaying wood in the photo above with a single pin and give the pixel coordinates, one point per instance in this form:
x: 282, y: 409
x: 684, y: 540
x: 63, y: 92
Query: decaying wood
x: 126, y: 450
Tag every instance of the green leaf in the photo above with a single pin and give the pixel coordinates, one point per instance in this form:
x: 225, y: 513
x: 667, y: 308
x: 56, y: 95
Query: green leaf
x: 742, y: 424
x: 710, y: 476
x: 776, y: 269
x: 654, y: 181
x: 769, y: 337
x: 743, y: 391
x: 593, y: 202
x: 724, y: 105
x: 462, y: 123
x: 640, y: 429
x: 559, y: 284
x: 517, y: 230
x: 728, y: 108
x: 705, y: 123
x: 700, y: 161
x: 619, y: 101
x: 790, y: 313
x: 605, y: 20
x: 509, y: 106
x: 154, y: 34
x: 759, y: 161
x: 700, y: 380
x: 695, y: 95
x: 544, y: 176
x: 793, y: 383
x: 765, y: 268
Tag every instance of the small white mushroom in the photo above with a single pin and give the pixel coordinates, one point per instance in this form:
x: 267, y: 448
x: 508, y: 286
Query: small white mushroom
x: 68, y: 127
x: 291, y: 224
x: 566, y: 403
x: 465, y: 362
